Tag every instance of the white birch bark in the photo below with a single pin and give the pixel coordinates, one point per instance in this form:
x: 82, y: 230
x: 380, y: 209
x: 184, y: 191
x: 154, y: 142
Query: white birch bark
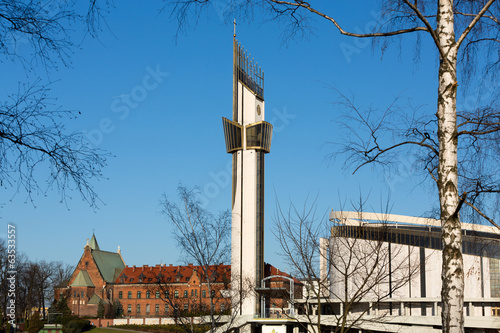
x: 452, y: 270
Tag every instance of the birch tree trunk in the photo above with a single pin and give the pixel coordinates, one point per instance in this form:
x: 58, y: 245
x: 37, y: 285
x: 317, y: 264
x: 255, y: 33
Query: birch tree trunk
x: 452, y: 274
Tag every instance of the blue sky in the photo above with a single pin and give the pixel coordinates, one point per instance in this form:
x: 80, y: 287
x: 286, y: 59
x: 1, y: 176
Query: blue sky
x: 173, y: 133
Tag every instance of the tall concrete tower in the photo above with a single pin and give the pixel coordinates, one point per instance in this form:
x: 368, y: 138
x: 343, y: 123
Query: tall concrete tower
x: 248, y: 138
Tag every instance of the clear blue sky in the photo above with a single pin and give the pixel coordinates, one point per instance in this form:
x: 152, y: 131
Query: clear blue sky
x: 174, y: 133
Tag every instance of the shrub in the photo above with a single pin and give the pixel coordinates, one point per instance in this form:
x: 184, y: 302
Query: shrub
x: 35, y: 324
x: 77, y: 326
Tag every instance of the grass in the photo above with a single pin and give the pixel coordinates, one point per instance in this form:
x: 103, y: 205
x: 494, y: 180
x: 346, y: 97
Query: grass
x: 108, y: 330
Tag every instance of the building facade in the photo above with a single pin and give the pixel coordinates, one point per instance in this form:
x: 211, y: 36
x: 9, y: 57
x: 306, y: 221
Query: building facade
x: 160, y: 291
x: 389, y: 267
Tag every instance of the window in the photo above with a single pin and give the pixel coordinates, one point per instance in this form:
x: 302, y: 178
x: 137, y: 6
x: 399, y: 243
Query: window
x: 74, y: 294
x: 138, y: 294
x: 148, y: 294
x: 157, y: 308
x: 192, y: 292
x: 129, y: 294
x: 120, y: 294
x: 204, y: 293
x: 138, y: 308
x: 196, y: 293
x: 157, y: 294
x: 166, y: 308
x: 212, y: 293
x: 176, y: 294
x: 129, y: 308
x: 185, y: 293
x: 167, y: 294
x: 82, y: 294
x: 222, y: 307
x: 185, y: 307
x: 148, y: 308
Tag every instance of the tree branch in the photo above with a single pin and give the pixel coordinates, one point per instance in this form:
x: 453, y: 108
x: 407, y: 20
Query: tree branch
x: 481, y: 213
x: 308, y: 7
x: 473, y: 22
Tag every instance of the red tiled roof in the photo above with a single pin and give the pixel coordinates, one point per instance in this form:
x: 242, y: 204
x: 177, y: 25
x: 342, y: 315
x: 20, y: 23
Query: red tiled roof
x: 171, y: 274
x: 270, y: 270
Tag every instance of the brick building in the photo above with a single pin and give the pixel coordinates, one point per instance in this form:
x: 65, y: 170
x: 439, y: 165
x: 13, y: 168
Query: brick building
x: 147, y: 291
x: 93, y: 279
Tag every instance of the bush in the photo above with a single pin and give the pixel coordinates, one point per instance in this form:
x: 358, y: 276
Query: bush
x: 77, y: 326
x: 35, y: 324
x: 65, y: 319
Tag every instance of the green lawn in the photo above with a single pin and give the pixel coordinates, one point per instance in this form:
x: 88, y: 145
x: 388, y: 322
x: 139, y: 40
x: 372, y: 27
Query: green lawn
x: 108, y: 330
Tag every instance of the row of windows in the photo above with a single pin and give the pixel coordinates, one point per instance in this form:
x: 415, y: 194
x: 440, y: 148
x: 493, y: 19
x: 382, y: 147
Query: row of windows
x: 194, y: 293
x: 76, y: 294
x: 472, y: 245
x: 167, y: 308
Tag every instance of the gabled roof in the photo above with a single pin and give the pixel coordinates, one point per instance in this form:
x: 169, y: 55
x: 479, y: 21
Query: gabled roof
x: 82, y: 280
x: 110, y: 264
x: 95, y: 299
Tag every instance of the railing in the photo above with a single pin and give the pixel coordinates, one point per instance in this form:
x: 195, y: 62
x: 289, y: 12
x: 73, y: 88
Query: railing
x: 248, y: 72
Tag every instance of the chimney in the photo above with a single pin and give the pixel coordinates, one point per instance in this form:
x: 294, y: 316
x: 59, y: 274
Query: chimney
x: 119, y: 251
x: 133, y: 269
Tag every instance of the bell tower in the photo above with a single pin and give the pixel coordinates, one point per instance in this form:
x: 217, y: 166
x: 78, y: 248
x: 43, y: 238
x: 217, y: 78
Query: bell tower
x: 248, y: 139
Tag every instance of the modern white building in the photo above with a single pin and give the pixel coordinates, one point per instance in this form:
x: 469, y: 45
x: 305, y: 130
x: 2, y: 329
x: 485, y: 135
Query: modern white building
x: 386, y: 269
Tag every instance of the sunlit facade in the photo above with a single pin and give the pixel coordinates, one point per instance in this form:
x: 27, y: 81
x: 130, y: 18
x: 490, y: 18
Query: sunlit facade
x: 248, y: 138
x: 404, y: 254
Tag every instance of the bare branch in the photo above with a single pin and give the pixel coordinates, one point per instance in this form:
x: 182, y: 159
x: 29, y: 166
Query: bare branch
x: 482, y: 214
x: 307, y: 6
x: 473, y: 22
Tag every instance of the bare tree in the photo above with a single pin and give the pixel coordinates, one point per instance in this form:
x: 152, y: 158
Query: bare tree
x: 205, y: 240
x: 32, y: 133
x: 192, y: 307
x: 34, y: 282
x: 458, y: 30
x: 346, y: 276
x: 62, y: 273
